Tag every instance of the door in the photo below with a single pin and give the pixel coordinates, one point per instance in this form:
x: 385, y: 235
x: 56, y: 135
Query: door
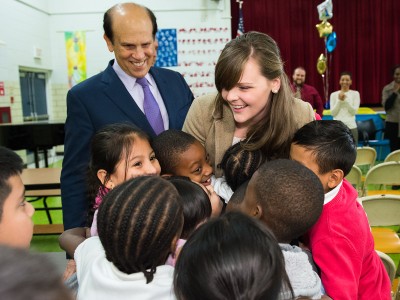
x: 33, y: 92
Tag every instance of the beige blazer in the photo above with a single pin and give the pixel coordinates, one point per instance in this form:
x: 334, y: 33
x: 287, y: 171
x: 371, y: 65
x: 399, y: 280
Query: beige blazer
x: 216, y: 133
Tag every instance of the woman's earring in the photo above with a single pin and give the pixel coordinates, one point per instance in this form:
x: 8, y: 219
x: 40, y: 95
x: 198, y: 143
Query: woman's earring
x: 274, y: 91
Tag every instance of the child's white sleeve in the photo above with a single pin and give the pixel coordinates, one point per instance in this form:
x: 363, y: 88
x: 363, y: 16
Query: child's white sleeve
x: 93, y: 228
x: 222, y: 188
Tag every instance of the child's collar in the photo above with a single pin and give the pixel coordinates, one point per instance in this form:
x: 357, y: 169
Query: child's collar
x: 332, y: 194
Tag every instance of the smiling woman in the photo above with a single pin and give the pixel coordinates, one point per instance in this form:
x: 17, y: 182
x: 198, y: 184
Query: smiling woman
x: 254, y: 103
x: 345, y: 103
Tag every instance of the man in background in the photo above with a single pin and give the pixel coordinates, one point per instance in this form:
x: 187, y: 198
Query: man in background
x: 306, y: 92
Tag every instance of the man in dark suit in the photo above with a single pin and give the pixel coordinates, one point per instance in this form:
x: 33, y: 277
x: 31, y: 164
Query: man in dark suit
x: 114, y: 96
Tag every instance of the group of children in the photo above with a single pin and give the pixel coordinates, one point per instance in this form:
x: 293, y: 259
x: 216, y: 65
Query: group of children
x: 188, y: 235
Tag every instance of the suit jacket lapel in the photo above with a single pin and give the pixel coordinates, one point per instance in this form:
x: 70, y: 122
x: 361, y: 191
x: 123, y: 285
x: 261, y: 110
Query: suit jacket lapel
x: 167, y: 96
x: 117, y: 94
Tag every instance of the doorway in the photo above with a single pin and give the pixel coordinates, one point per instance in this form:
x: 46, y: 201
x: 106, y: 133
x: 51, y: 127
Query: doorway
x: 33, y: 93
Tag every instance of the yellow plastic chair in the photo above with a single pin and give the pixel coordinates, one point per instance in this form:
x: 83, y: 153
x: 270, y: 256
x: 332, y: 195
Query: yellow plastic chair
x: 393, y: 156
x: 366, y: 157
x: 384, y: 211
x: 387, y: 173
x: 355, y: 178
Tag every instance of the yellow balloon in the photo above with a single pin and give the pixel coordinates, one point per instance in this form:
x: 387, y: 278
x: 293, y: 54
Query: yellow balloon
x: 321, y: 64
x: 324, y: 28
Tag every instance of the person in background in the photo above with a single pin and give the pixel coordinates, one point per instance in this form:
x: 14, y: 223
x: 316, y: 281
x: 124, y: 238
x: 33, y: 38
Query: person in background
x: 130, y: 90
x: 230, y: 257
x: 254, y: 102
x: 341, y: 242
x: 391, y: 103
x: 306, y: 92
x: 345, y: 103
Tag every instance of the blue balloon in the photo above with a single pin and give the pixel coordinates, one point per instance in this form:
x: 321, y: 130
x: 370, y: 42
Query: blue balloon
x: 331, y: 42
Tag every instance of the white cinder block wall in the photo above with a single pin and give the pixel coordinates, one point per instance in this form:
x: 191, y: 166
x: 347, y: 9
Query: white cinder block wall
x: 29, y: 24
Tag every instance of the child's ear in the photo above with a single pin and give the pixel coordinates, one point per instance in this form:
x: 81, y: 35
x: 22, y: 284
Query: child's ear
x: 335, y: 178
x: 101, y: 175
x: 257, y: 211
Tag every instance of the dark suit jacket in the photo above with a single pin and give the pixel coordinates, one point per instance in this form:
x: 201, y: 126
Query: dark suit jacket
x: 99, y: 101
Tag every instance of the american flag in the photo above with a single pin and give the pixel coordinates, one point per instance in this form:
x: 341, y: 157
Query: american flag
x: 240, y: 30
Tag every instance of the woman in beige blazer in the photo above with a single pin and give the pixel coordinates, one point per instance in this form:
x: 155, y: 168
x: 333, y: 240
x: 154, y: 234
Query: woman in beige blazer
x: 254, y: 103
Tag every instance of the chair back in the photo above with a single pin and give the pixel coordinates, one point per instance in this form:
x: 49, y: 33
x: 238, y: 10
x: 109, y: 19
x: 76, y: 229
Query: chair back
x: 366, y: 131
x: 370, y: 133
x: 382, y: 210
x: 366, y: 156
x: 355, y: 178
x: 393, y: 156
x: 388, y: 263
x: 387, y: 173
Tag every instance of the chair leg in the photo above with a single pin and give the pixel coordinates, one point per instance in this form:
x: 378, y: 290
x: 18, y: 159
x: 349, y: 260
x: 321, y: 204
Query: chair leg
x: 47, y: 210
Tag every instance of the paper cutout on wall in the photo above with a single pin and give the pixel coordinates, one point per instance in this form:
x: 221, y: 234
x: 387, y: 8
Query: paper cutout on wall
x: 75, y: 44
x: 198, y: 52
x: 167, y: 53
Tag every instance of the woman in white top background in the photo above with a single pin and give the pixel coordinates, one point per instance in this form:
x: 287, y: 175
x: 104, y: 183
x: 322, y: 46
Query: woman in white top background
x: 345, y: 103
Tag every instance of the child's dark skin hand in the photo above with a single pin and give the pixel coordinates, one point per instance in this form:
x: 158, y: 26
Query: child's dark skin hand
x: 216, y: 203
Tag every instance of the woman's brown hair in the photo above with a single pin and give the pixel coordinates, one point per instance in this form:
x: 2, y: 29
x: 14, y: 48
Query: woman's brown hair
x: 274, y: 132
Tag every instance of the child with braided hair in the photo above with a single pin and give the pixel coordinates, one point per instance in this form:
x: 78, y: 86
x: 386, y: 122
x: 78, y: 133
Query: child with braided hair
x: 238, y: 165
x: 139, y: 223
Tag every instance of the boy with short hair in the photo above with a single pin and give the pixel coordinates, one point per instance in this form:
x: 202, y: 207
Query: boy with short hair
x: 288, y: 198
x: 341, y: 242
x: 21, y: 273
x: 180, y: 154
x: 16, y: 225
